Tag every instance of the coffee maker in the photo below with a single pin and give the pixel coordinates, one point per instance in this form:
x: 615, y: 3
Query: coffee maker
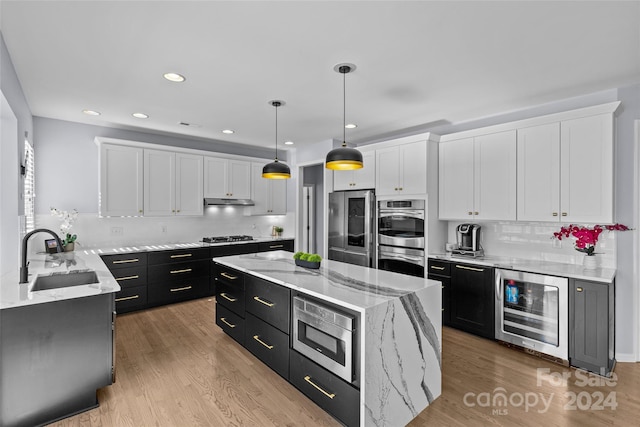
x: 468, y: 240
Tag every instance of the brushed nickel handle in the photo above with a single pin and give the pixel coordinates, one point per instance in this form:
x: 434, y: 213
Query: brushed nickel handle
x: 228, y: 276
x: 555, y: 214
x: 469, y: 213
x: 257, y: 338
x: 181, y: 255
x: 128, y: 277
x: 223, y: 295
x: 184, y: 270
x: 579, y: 289
x: 127, y: 298
x: 476, y: 213
x: 185, y: 288
x: 276, y: 246
x: 261, y: 301
x: 564, y: 214
x: 435, y: 267
x: 125, y: 261
x: 329, y: 395
x: 469, y: 268
x: 224, y: 320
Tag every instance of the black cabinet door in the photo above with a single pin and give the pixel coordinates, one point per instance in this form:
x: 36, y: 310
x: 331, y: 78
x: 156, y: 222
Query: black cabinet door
x: 131, y: 298
x: 269, y: 301
x: 472, y: 299
x: 231, y: 297
x: 177, y: 290
x: 117, y: 261
x: 178, y: 255
x: 230, y: 322
x: 441, y: 271
x: 235, y: 249
x: 268, y: 344
x: 277, y: 245
x: 163, y: 273
x: 130, y: 276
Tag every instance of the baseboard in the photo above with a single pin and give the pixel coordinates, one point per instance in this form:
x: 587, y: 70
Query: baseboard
x: 626, y: 357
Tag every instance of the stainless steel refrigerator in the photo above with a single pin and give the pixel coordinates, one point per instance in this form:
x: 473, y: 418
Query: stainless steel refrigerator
x: 351, y: 227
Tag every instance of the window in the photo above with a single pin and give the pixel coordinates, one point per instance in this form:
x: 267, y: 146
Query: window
x: 29, y: 188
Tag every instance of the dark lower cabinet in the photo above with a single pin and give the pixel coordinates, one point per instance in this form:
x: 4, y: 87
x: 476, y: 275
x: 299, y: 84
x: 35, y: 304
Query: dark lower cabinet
x: 441, y: 271
x: 331, y: 393
x: 472, y: 299
x: 131, y: 298
x: 268, y: 344
x: 171, y: 291
x: 269, y: 301
x: 592, y: 326
x: 276, y: 245
x: 231, y: 323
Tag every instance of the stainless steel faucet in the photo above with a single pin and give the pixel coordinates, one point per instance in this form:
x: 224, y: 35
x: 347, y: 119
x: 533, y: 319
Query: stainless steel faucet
x: 24, y: 270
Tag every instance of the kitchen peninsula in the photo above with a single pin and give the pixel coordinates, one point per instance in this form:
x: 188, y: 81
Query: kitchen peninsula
x: 398, y: 320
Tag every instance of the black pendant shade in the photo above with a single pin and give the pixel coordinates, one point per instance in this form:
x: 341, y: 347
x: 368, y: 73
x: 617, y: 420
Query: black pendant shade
x: 344, y: 158
x: 276, y: 169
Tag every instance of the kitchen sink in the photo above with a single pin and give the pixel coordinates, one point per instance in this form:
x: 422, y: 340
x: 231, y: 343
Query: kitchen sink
x: 64, y: 280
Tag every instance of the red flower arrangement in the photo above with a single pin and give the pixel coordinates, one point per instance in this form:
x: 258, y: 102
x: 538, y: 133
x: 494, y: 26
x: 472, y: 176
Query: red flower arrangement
x: 586, y: 238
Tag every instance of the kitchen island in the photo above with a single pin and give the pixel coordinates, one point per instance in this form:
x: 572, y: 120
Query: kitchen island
x: 399, y: 361
x: 56, y: 345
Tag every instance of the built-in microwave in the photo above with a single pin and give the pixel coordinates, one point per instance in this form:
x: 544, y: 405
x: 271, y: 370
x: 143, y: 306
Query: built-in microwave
x: 328, y: 335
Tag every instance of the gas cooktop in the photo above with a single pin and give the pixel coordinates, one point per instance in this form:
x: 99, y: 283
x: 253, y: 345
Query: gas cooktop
x: 223, y: 239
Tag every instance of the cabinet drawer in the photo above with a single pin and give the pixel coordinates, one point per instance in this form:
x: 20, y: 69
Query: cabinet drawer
x: 268, y: 301
x: 277, y: 245
x: 441, y: 268
x: 231, y: 297
x: 130, y: 276
x: 164, y: 293
x: 237, y: 249
x: 328, y: 391
x: 178, y: 255
x: 230, y: 323
x: 114, y: 262
x: 268, y: 344
x: 129, y: 299
x: 178, y: 271
x: 228, y: 276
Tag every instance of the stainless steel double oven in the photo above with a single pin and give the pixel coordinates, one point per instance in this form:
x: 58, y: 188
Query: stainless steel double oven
x: 401, y: 236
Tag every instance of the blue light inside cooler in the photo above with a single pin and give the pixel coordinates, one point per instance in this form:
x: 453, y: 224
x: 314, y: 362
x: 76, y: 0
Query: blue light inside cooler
x: 511, y: 292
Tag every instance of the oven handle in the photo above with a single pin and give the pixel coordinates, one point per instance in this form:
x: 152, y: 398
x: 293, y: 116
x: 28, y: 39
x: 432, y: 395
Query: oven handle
x: 408, y: 258
x: 408, y: 214
x: 498, y: 285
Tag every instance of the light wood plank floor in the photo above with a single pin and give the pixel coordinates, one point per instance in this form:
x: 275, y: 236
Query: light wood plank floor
x: 176, y: 368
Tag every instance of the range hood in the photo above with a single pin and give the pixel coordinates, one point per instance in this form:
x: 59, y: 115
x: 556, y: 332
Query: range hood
x: 213, y: 201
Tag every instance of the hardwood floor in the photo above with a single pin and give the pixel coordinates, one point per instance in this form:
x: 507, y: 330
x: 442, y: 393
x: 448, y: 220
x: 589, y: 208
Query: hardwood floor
x: 175, y: 367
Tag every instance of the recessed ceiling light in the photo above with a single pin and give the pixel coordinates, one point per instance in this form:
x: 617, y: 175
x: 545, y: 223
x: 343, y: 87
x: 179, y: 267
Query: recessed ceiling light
x: 288, y: 143
x: 350, y: 126
x: 91, y: 112
x: 228, y: 131
x: 140, y: 115
x: 174, y: 77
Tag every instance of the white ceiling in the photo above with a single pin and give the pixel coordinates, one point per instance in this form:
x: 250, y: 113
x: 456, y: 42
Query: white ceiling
x: 418, y: 63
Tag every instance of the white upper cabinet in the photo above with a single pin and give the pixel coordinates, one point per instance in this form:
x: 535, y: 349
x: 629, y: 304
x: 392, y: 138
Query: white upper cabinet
x: 121, y: 177
x: 269, y: 195
x: 358, y: 179
x: 477, y: 177
x: 227, y: 178
x: 565, y: 171
x: 173, y: 184
x: 189, y: 184
x: 402, y: 169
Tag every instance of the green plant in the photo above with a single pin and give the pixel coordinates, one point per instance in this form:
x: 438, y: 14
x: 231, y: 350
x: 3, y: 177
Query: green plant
x: 304, y: 257
x: 69, y: 239
x: 297, y: 255
x: 278, y: 229
x: 314, y: 258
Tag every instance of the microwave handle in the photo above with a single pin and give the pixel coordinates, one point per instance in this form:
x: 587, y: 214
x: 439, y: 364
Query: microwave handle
x: 498, y: 286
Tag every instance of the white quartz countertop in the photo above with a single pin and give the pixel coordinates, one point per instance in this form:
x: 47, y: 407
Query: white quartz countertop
x: 13, y: 294
x: 351, y: 286
x: 603, y: 275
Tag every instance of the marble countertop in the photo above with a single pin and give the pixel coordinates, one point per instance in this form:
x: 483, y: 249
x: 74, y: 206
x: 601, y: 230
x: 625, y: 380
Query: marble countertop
x: 14, y: 294
x: 603, y: 275
x: 352, y: 286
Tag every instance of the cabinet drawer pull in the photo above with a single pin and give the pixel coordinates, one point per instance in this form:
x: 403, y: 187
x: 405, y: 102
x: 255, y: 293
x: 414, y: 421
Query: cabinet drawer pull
x: 476, y: 213
x: 261, y: 301
x: 564, y: 214
x: 181, y: 255
x: 127, y: 298
x: 257, y: 338
x: 223, y: 295
x: 555, y: 214
x: 228, y: 276
x: 184, y: 288
x: 224, y: 320
x: 317, y: 387
x: 125, y: 261
x: 579, y: 289
x: 469, y: 268
x: 469, y: 213
x: 128, y: 277
x: 184, y: 270
x: 276, y: 246
x: 435, y: 267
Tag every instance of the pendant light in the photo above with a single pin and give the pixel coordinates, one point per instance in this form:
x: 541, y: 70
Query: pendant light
x: 275, y: 169
x: 344, y: 158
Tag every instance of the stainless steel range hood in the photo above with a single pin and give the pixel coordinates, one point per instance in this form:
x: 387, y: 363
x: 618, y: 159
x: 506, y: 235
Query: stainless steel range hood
x: 215, y: 201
